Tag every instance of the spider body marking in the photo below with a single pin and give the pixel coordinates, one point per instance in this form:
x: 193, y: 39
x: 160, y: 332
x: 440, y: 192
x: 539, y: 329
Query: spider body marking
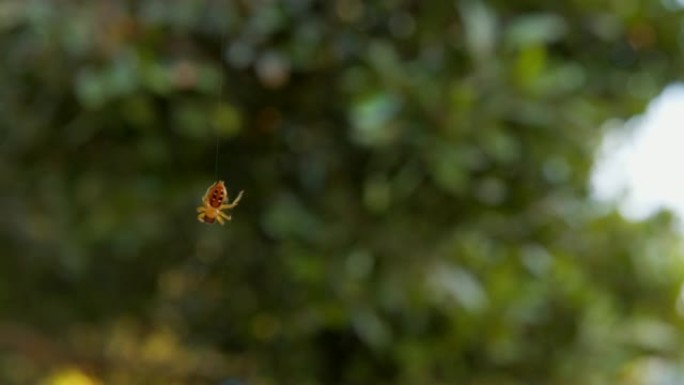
x: 213, y: 204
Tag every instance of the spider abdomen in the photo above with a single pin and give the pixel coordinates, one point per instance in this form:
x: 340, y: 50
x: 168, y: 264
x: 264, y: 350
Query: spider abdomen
x: 217, y: 195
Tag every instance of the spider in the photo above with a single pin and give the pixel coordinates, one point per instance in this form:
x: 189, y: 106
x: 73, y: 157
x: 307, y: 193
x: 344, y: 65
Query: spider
x: 212, y: 204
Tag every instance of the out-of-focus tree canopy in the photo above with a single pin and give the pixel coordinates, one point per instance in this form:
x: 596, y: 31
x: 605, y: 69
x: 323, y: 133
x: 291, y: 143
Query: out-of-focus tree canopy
x: 416, y: 205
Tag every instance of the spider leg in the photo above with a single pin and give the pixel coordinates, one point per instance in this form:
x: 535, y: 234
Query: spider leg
x: 224, y: 216
x: 235, y: 202
x: 220, y: 220
x: 201, y: 209
x: 200, y: 217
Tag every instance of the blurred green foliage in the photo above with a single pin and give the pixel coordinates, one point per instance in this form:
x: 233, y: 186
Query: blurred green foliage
x: 416, y: 207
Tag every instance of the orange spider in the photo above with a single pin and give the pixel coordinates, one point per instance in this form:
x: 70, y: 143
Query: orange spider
x: 212, y: 204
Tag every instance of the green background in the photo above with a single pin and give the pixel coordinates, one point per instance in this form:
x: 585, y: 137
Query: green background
x: 416, y: 211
